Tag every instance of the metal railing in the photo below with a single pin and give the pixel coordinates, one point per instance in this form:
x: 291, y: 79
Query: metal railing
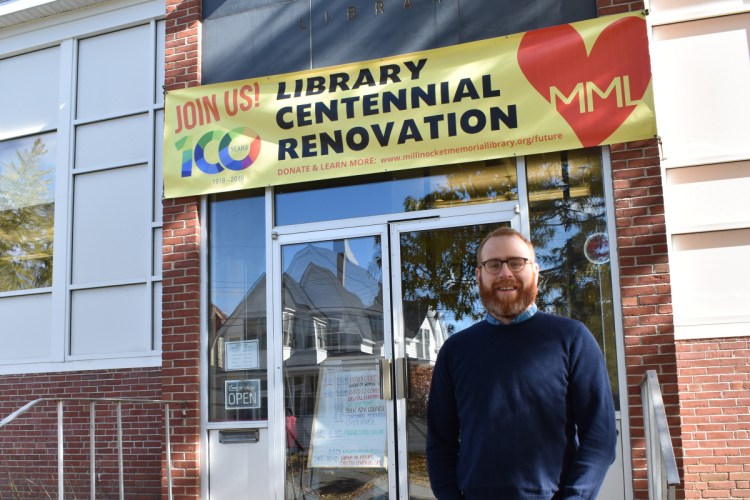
x: 663, y: 476
x: 60, y: 402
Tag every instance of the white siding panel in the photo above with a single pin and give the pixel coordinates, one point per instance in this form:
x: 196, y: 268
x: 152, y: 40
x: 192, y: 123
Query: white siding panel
x: 158, y: 166
x: 701, y: 77
x: 113, y: 73
x: 157, y: 316
x: 710, y: 275
x: 124, y: 141
x: 111, y: 240
x: 28, y: 92
x: 110, y: 320
x: 708, y: 197
x: 26, y: 328
x: 159, y: 89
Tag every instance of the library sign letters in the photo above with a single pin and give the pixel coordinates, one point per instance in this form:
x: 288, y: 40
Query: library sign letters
x: 565, y: 87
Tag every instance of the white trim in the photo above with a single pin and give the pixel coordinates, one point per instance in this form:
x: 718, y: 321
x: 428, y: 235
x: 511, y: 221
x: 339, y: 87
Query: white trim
x: 708, y: 228
x: 704, y: 160
x: 712, y: 331
x: 523, y: 194
x: 152, y: 361
x: 203, y: 442
x: 687, y: 14
x: 274, y: 373
x: 622, y: 378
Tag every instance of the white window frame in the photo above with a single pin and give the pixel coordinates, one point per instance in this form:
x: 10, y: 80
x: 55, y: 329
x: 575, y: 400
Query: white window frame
x: 64, y: 31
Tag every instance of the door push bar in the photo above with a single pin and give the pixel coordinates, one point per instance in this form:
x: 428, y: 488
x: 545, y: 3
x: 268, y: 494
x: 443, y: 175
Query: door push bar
x: 401, y: 373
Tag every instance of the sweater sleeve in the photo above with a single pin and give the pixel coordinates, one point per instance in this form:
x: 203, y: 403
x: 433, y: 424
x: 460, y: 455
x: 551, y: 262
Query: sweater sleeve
x: 442, y: 433
x: 590, y: 398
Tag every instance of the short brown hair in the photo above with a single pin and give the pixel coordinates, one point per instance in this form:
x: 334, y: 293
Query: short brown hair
x: 504, y: 231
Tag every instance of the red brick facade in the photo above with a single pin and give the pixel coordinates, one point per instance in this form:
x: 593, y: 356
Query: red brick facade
x: 28, y: 446
x: 714, y: 384
x: 181, y: 338
x: 181, y: 268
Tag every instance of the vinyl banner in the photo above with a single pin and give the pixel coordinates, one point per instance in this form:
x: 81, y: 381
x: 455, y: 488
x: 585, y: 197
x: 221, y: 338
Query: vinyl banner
x: 565, y: 87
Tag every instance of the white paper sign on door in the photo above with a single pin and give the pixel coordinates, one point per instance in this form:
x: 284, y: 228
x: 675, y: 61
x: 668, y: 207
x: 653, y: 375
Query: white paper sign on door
x: 349, y: 426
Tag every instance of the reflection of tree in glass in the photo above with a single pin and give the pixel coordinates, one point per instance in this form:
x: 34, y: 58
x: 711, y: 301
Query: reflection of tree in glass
x: 567, y: 206
x: 438, y: 266
x: 560, y: 224
x: 438, y: 269
x: 26, y: 220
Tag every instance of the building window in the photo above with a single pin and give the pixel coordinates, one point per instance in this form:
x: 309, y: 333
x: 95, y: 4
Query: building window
x: 568, y: 219
x: 237, y: 294
x: 80, y: 187
x: 27, y: 212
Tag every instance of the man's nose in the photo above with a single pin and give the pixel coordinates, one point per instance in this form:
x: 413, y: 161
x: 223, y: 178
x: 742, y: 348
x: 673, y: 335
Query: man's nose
x: 505, y: 270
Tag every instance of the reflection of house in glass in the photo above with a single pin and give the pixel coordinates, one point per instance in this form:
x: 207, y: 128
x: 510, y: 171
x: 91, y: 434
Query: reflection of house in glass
x: 332, y: 307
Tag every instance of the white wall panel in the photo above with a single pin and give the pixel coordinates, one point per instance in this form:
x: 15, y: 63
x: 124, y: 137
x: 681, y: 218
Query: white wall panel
x: 159, y: 88
x: 111, y: 240
x: 701, y: 82
x: 157, y: 316
x: 124, y: 141
x: 28, y: 92
x: 110, y: 320
x: 708, y: 197
x: 710, y: 276
x: 26, y: 327
x: 110, y: 85
x: 159, y: 166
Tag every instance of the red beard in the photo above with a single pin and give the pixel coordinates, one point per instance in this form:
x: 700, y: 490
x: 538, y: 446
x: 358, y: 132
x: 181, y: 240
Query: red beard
x: 507, y: 307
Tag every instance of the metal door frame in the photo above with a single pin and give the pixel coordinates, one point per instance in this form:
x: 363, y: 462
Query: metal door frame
x: 277, y: 423
x: 388, y: 229
x: 396, y: 228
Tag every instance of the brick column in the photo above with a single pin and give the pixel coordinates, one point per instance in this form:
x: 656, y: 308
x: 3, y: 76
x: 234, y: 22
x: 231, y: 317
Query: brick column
x: 646, y: 291
x: 181, y: 340
x: 181, y: 269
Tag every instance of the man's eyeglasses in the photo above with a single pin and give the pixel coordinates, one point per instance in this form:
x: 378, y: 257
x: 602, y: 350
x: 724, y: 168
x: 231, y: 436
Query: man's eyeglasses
x: 494, y: 266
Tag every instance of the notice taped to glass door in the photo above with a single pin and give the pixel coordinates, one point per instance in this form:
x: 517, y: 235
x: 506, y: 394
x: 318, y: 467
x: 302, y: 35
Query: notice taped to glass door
x: 349, y: 425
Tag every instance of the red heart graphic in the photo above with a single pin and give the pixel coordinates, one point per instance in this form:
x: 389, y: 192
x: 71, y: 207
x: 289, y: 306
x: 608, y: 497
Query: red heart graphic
x: 556, y: 57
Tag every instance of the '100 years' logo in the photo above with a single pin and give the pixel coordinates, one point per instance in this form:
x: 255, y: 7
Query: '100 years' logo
x: 236, y: 150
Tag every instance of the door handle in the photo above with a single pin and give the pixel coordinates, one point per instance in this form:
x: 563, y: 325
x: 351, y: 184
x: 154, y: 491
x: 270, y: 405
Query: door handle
x: 386, y: 383
x: 402, y: 378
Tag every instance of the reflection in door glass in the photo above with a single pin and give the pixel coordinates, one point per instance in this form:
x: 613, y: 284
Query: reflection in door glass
x: 439, y: 298
x: 398, y: 191
x: 237, y: 329
x: 568, y: 217
x: 333, y: 341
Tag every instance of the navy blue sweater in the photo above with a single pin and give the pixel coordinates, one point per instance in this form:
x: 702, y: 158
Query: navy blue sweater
x: 520, y: 411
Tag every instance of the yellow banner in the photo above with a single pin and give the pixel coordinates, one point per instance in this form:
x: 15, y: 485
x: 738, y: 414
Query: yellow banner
x: 565, y: 87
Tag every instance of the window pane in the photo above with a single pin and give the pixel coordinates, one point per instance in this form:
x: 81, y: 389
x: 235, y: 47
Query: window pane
x: 27, y: 212
x: 400, y: 191
x: 237, y: 328
x: 567, y: 210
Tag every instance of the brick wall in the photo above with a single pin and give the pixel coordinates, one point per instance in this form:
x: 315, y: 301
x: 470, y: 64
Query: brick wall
x: 181, y: 338
x: 646, y: 291
x: 28, y: 446
x: 181, y: 268
x: 714, y: 382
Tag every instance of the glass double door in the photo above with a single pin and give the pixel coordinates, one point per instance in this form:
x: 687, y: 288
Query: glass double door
x: 361, y: 313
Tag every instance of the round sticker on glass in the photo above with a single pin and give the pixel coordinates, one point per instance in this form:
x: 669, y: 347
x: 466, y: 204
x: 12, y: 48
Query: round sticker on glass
x: 596, y: 248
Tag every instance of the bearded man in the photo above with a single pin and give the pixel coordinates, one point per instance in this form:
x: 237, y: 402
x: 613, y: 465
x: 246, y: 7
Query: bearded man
x: 520, y: 405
